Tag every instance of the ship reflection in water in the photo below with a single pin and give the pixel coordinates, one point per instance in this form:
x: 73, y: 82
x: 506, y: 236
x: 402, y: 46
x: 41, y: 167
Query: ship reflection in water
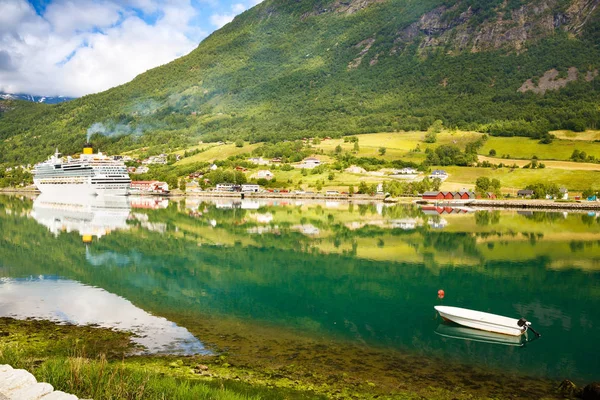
x: 91, y: 216
x: 67, y: 301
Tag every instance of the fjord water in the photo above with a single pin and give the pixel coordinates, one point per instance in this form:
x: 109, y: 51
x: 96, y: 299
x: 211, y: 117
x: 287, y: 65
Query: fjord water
x: 355, y: 274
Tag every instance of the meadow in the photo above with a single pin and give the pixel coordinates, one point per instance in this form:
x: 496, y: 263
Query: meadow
x: 410, y: 146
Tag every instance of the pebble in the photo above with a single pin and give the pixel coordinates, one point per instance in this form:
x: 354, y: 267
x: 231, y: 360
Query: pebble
x: 18, y: 384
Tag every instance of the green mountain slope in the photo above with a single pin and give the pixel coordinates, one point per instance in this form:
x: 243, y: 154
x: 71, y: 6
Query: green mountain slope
x: 289, y: 69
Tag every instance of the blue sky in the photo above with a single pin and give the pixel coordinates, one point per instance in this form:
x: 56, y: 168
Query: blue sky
x: 77, y: 47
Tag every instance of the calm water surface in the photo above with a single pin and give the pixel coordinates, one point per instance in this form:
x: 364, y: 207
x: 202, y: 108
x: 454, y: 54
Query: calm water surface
x: 362, y: 273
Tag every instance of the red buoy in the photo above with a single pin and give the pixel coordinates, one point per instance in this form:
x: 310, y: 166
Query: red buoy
x: 441, y: 294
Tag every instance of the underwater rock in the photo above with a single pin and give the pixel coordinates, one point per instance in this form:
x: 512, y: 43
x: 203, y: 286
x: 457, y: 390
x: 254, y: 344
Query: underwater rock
x: 591, y: 391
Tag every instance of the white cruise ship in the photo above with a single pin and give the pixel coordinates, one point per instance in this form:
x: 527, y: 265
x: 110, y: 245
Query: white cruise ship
x: 90, y: 174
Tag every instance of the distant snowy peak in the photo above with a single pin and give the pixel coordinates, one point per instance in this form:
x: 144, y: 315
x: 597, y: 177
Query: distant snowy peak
x: 36, y: 99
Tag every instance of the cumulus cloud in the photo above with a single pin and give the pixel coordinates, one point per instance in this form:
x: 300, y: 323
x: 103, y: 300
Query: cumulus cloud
x: 77, y: 47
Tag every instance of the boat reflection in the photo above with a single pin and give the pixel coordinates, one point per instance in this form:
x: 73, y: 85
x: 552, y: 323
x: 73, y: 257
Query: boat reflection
x: 90, y: 216
x: 68, y: 301
x: 453, y: 331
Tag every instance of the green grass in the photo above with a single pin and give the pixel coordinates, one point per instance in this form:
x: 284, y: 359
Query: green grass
x: 524, y: 148
x: 216, y: 152
x: 519, y: 178
x: 399, y: 145
x: 92, y: 363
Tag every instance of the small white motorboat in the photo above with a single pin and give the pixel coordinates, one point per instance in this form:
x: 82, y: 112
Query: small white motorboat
x: 485, y: 321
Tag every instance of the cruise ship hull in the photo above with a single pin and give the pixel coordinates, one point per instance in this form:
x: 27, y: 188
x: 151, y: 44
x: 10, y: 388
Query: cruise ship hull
x: 81, y: 189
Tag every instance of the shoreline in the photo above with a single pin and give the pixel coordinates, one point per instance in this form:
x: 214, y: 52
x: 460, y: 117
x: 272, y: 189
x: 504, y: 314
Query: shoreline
x: 541, y: 205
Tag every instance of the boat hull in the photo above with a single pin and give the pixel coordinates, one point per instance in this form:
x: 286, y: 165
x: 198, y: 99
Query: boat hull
x: 481, y: 320
x: 82, y: 189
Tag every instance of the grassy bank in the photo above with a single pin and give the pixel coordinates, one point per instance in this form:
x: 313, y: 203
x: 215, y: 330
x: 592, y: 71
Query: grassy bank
x: 93, y: 363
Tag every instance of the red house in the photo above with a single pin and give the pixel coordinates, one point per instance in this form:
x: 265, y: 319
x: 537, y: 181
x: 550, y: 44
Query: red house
x: 433, y: 196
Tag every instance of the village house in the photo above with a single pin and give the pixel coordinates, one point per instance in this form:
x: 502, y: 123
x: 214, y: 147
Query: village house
x: 438, y: 173
x: 463, y: 195
x: 263, y: 174
x: 405, y: 171
x: 213, y: 167
x: 142, y: 169
x: 276, y: 160
x: 309, y: 163
x: 149, y: 186
x: 528, y: 193
x: 250, y: 188
x: 193, y: 187
x: 258, y: 161
x: 228, y: 187
x: 241, y: 169
x: 160, y: 159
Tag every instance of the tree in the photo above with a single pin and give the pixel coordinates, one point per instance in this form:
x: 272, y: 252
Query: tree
x: 382, y: 151
x: 363, y: 188
x: 319, y: 185
x: 588, y: 193
x: 182, y: 185
x: 350, y: 190
x: 331, y: 176
x: 338, y: 149
x: 492, y: 153
x: 239, y: 143
x: 435, y: 184
x: 356, y: 148
x: 431, y: 137
x: 482, y: 184
x: 436, y: 127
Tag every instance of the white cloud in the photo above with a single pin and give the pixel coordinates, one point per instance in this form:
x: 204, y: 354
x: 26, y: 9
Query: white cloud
x: 238, y: 8
x: 87, y: 46
x: 220, y: 20
x: 79, y: 47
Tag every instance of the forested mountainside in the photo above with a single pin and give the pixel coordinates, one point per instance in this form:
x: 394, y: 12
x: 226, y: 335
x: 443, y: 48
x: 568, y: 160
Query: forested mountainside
x: 290, y: 69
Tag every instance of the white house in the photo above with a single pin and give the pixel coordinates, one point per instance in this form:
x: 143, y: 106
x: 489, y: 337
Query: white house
x: 264, y: 174
x: 160, y: 159
x: 213, y: 167
x: 225, y: 187
x: 142, y: 169
x: 406, y: 171
x: 439, y: 173
x: 250, y: 188
x: 309, y: 163
x: 258, y: 161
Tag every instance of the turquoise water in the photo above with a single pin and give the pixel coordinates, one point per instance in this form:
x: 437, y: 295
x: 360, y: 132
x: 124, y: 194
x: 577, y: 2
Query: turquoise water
x: 366, y: 274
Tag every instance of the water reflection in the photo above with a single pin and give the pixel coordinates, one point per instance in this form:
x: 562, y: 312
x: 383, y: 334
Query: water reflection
x: 90, y: 216
x: 68, y: 301
x: 365, y: 273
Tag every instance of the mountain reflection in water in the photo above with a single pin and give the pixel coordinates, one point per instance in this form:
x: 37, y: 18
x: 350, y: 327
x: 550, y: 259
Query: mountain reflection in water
x: 71, y: 302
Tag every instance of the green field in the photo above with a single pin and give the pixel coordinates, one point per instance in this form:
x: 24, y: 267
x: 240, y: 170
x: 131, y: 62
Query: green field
x: 524, y: 148
x: 215, y: 152
x: 401, y: 145
x: 519, y: 178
